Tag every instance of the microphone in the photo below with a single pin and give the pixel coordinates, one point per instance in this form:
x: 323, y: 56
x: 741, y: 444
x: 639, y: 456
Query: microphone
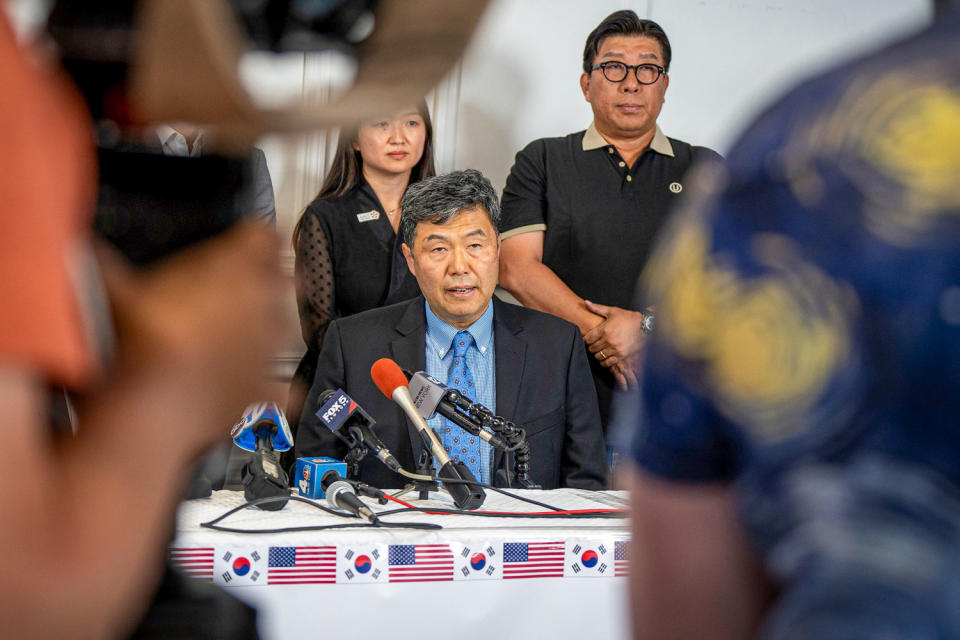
x: 392, y: 383
x: 244, y: 432
x: 340, y: 494
x: 339, y: 413
x: 263, y: 429
x: 389, y: 378
x: 430, y: 397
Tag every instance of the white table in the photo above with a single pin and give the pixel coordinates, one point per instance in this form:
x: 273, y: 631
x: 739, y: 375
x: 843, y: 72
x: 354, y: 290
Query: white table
x: 476, y: 577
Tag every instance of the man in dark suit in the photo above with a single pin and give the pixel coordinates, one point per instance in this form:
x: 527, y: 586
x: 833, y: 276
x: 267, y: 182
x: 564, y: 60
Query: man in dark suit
x: 527, y: 366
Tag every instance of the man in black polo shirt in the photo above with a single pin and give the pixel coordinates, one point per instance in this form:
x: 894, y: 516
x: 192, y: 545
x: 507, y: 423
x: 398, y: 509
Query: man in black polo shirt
x: 580, y: 212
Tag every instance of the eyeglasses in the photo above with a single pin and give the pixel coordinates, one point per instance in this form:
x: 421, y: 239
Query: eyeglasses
x: 617, y: 71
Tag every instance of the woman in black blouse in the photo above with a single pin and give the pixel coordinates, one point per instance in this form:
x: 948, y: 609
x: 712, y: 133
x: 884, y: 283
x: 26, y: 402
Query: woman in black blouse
x: 348, y: 256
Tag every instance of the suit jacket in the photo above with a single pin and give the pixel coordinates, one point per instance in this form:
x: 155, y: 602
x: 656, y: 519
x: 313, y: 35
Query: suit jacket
x: 543, y: 385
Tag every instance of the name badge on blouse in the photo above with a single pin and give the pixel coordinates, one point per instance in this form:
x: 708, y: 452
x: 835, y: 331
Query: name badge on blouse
x: 368, y: 216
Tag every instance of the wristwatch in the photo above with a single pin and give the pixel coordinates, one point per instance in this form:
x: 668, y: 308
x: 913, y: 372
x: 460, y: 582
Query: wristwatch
x: 647, y: 322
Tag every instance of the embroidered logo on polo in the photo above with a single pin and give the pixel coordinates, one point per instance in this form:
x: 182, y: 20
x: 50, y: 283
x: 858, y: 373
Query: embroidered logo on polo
x: 368, y: 216
x: 675, y: 187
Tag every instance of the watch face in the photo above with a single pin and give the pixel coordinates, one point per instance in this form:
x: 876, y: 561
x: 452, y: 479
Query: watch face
x: 648, y: 320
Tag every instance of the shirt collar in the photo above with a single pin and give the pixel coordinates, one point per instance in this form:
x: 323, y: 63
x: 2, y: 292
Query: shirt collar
x: 174, y: 143
x: 440, y: 334
x: 660, y: 143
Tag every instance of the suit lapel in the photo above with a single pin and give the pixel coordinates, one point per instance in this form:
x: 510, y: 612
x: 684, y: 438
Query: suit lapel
x: 510, y: 351
x: 408, y: 351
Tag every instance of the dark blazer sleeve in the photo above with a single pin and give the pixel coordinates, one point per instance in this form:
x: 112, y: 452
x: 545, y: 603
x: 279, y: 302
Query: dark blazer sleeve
x: 583, y: 463
x: 313, y: 438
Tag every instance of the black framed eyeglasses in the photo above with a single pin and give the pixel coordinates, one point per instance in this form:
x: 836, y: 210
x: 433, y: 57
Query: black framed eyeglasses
x: 617, y: 71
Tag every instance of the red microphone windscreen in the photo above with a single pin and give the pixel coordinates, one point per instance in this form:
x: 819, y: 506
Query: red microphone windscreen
x: 387, y: 375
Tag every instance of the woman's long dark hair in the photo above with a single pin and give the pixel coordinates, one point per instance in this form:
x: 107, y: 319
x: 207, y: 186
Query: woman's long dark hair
x: 347, y: 169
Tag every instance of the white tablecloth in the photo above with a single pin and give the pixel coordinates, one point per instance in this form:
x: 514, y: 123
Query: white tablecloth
x: 476, y: 577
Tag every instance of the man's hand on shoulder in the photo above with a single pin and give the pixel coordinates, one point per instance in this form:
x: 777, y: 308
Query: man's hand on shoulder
x: 617, y: 342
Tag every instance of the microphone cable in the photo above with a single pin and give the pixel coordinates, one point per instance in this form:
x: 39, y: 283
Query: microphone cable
x: 554, y: 512
x: 416, y: 476
x: 486, y: 486
x: 434, y: 478
x: 574, y: 514
x: 213, y: 524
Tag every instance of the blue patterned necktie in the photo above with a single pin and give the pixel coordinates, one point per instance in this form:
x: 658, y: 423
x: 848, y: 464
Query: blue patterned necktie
x: 457, y: 442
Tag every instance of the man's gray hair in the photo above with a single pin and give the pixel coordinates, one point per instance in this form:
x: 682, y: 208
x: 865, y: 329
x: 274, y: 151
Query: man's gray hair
x: 440, y: 198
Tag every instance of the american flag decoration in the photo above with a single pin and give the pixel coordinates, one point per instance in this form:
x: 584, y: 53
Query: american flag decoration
x: 302, y: 565
x: 196, y: 563
x: 621, y: 558
x: 532, y: 560
x: 420, y: 562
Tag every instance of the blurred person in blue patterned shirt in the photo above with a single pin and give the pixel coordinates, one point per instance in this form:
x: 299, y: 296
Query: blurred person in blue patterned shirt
x: 798, y: 442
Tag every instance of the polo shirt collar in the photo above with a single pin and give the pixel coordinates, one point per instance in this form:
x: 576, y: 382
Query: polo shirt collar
x: 440, y: 334
x: 660, y: 143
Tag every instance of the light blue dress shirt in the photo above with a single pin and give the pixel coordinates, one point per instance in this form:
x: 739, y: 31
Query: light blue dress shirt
x: 480, y: 359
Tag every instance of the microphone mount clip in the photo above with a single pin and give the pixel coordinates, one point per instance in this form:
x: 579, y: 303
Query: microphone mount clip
x: 356, y: 452
x: 515, y: 437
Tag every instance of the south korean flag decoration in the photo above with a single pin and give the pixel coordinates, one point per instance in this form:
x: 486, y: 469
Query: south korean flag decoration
x: 477, y: 561
x: 361, y: 564
x: 589, y: 559
x: 240, y: 566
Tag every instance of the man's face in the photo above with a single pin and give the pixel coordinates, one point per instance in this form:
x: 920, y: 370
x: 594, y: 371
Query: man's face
x: 628, y: 108
x: 456, y: 265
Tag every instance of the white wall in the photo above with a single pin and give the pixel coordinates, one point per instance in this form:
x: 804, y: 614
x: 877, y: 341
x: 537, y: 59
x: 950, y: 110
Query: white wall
x: 519, y: 78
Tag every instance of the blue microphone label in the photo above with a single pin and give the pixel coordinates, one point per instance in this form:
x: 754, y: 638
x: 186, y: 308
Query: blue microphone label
x: 335, y: 411
x: 309, y: 472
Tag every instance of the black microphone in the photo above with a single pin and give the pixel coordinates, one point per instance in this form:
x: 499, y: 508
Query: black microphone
x: 430, y: 397
x: 339, y: 413
x: 263, y: 476
x: 340, y: 494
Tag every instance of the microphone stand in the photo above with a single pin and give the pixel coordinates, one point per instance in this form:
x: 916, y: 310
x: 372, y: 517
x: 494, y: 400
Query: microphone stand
x: 423, y: 487
x: 356, y: 451
x: 515, y: 437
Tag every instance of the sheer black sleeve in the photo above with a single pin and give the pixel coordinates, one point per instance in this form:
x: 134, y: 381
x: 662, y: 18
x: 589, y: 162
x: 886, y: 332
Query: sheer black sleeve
x: 313, y: 277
